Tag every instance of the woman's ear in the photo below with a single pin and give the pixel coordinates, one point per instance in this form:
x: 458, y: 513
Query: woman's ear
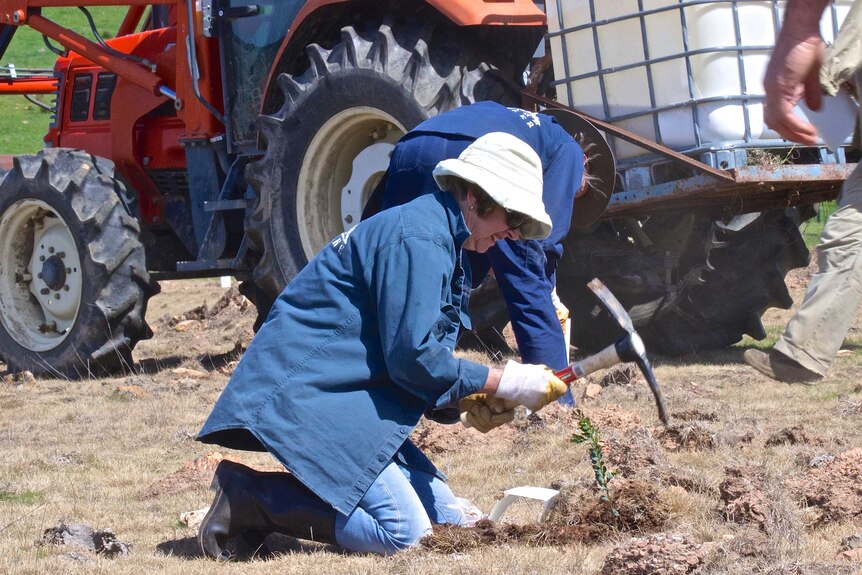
x: 471, y: 198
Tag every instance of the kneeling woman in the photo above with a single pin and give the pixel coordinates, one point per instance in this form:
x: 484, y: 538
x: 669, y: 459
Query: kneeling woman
x: 356, y: 348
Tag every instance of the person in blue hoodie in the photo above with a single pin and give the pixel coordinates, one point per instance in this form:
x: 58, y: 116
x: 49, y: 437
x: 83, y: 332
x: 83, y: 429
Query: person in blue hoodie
x: 576, y: 189
x: 356, y: 348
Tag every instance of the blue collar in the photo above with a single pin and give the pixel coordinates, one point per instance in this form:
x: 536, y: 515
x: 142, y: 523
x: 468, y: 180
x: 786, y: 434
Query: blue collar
x: 457, y: 225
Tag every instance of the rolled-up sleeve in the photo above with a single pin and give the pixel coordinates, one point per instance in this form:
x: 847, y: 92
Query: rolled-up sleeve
x: 410, y: 284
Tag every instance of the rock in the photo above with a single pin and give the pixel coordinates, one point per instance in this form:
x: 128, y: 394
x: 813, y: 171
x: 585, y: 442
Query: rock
x: 851, y: 543
x: 184, y: 325
x: 102, y: 541
x: 189, y: 373
x: 851, y: 555
x: 593, y: 390
x: 821, y: 460
x: 131, y: 390
x: 193, y: 519
x: 659, y: 554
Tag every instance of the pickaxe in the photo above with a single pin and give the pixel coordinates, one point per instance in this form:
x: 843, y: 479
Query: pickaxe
x: 630, y: 347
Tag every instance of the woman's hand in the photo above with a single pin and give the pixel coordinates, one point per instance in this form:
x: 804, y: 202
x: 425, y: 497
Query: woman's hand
x: 485, y: 412
x: 533, y: 386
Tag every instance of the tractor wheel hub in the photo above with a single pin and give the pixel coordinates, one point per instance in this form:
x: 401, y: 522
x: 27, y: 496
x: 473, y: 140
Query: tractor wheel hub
x: 54, y: 273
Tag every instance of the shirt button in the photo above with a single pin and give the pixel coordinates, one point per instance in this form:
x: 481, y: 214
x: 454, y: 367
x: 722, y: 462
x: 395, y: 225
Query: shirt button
x: 381, y: 458
x: 403, y: 431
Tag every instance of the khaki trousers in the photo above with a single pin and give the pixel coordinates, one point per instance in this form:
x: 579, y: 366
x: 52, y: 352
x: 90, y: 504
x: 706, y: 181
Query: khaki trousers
x: 815, y: 333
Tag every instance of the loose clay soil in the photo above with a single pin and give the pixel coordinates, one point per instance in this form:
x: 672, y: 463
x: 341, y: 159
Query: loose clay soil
x: 751, y: 476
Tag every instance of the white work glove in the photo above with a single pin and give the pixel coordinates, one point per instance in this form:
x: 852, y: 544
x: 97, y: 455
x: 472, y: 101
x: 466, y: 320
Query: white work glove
x: 533, y: 386
x: 485, y: 412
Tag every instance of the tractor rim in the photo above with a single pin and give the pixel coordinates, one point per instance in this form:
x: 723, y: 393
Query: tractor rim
x: 343, y: 164
x: 41, y: 281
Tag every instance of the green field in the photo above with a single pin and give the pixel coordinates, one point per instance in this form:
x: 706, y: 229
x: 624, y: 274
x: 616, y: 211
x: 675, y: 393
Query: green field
x: 812, y: 228
x: 23, y: 124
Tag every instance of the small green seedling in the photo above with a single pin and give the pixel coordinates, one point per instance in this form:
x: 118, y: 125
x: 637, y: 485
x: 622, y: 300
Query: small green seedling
x: 590, y: 434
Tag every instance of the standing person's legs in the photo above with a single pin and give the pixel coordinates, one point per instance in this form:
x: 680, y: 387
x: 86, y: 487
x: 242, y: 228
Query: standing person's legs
x: 815, y: 332
x: 520, y: 269
x: 390, y: 516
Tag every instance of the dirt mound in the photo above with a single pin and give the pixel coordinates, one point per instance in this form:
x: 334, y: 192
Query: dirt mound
x: 231, y: 304
x: 577, y: 517
x: 213, y: 334
x: 749, y: 496
x: 695, y: 414
x: 616, y: 418
x: 743, y: 497
x: 834, y: 489
x: 191, y: 474
x: 792, y: 436
x: 693, y: 437
x: 660, y: 554
x: 437, y: 438
x: 632, y: 454
x: 624, y: 374
x: 635, y: 506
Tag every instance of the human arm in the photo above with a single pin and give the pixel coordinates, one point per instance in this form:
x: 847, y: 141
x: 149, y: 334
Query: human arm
x: 793, y: 71
x: 520, y: 269
x: 533, y: 386
x: 418, y: 320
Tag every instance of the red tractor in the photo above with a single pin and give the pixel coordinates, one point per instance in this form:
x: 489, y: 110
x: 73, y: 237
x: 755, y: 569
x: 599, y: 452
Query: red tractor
x: 231, y: 137
x: 217, y: 138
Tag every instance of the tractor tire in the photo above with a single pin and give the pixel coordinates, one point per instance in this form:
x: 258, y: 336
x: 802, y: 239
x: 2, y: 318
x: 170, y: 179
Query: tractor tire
x: 329, y: 144
x: 73, y: 277
x: 728, y: 274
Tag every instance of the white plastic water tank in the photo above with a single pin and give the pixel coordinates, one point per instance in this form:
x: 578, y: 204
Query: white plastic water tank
x: 674, y: 71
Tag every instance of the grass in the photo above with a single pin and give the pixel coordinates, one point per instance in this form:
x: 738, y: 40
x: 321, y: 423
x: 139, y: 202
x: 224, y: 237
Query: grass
x: 20, y: 498
x: 70, y: 451
x: 23, y: 124
x: 812, y: 228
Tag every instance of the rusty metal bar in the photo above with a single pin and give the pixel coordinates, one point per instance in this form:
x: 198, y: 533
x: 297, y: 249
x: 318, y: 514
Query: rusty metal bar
x: 754, y: 188
x: 95, y: 53
x: 633, y: 138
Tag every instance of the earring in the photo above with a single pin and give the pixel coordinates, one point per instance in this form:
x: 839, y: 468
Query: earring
x: 472, y: 208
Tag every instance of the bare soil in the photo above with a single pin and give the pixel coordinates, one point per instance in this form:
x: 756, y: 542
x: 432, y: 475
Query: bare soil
x: 750, y: 477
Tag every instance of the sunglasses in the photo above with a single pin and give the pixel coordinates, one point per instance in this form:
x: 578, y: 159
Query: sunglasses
x: 515, y: 219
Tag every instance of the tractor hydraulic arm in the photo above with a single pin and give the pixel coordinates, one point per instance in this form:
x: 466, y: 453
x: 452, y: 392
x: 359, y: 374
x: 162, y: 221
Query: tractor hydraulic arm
x: 26, y: 12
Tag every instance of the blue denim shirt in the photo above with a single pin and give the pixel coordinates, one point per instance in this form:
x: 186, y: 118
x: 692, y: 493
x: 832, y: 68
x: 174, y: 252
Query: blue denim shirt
x: 354, y: 350
x: 414, y: 159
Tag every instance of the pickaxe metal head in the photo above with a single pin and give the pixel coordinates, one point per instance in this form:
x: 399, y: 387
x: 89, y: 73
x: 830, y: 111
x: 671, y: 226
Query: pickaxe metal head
x: 630, y: 347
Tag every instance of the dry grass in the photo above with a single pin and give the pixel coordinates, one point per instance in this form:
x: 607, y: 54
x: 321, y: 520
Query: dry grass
x: 88, y: 452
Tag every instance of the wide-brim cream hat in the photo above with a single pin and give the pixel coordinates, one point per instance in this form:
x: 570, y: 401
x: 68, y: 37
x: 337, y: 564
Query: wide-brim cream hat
x: 510, y: 172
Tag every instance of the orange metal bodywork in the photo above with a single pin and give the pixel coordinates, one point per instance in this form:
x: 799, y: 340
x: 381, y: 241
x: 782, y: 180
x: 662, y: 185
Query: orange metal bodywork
x: 133, y: 138
x: 491, y: 13
x: 31, y: 85
x: 460, y: 12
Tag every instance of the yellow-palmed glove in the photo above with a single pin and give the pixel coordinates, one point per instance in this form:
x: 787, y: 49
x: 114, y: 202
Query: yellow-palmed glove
x: 483, y: 412
x: 533, y: 386
x: 562, y: 311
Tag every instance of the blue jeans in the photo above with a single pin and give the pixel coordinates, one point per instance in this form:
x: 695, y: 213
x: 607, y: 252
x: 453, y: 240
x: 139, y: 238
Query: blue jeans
x: 397, y: 511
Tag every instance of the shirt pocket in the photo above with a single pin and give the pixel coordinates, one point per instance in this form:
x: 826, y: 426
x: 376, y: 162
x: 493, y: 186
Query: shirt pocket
x: 447, y: 324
